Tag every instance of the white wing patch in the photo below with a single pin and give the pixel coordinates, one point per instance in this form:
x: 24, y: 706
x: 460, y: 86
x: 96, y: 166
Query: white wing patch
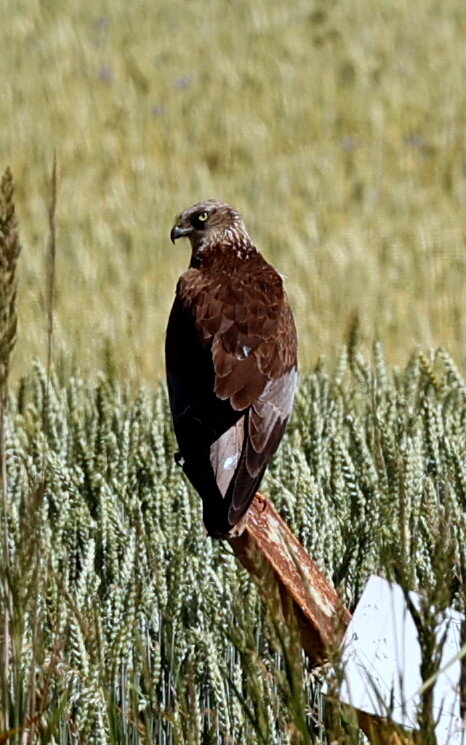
x: 231, y: 462
x: 245, y: 352
x: 225, y: 454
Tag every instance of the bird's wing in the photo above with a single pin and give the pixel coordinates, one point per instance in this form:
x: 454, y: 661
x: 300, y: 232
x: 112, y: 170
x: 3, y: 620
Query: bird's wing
x: 266, y: 421
x: 237, y: 393
x: 253, y: 339
x: 249, y: 325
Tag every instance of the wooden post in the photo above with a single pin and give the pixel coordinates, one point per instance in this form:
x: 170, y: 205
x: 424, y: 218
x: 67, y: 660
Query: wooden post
x: 269, y: 551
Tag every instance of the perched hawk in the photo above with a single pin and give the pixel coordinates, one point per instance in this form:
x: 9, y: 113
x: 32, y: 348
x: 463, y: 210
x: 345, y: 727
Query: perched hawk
x: 231, y: 363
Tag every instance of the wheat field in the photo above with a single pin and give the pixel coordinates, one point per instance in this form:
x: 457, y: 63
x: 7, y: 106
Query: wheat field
x: 129, y: 626
x: 336, y: 128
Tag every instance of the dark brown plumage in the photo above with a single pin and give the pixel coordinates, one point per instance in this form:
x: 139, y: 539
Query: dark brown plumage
x: 231, y: 363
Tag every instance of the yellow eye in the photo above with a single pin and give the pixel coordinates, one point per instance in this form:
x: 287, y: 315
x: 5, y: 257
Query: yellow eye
x: 203, y: 216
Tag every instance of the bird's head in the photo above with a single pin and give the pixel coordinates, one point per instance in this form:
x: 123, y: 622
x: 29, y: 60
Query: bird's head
x: 210, y: 222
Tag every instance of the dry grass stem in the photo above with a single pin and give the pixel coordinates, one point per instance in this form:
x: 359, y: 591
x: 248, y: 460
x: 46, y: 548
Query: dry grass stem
x: 9, y: 253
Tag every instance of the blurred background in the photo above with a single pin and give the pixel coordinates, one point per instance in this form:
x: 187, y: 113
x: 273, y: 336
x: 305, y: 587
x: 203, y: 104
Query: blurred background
x: 336, y: 128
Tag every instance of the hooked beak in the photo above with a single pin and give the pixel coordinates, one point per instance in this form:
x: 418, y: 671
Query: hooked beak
x: 177, y: 232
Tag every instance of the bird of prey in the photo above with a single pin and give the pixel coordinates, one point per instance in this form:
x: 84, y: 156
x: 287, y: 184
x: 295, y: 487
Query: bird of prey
x: 231, y: 360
